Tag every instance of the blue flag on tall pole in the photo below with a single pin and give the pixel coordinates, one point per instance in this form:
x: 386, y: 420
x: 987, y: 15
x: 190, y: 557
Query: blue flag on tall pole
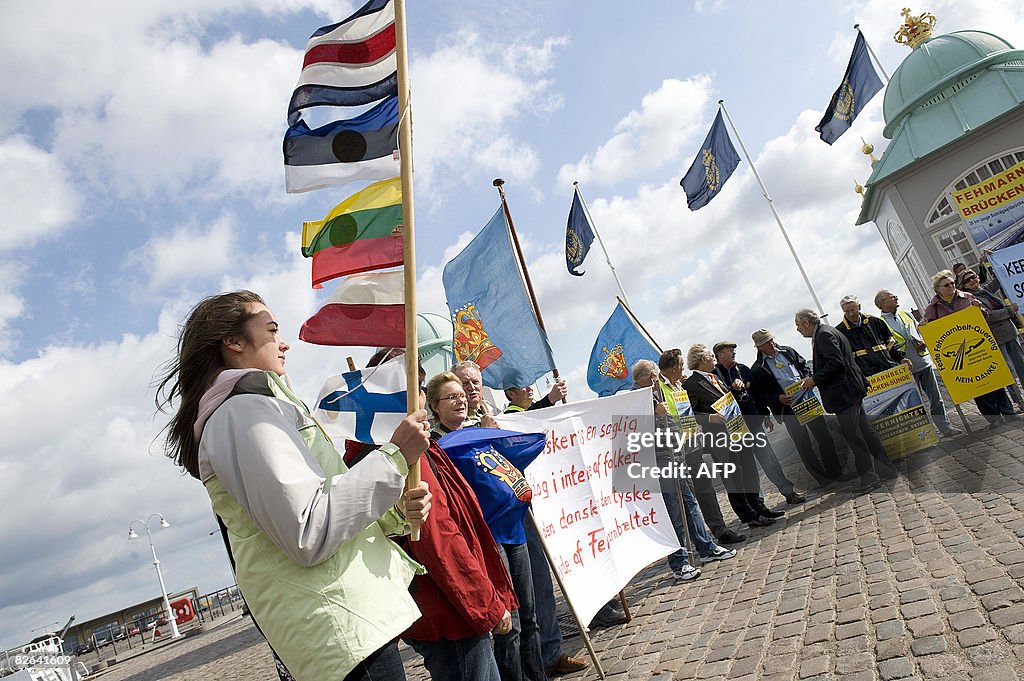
x: 618, y: 346
x: 860, y: 84
x: 712, y: 167
x: 495, y: 325
x: 579, y: 234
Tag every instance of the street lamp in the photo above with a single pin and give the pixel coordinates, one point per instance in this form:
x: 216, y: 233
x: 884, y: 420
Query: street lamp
x: 156, y: 563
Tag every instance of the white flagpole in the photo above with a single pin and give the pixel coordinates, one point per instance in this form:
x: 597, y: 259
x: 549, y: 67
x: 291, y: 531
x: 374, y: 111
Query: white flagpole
x: 607, y: 258
x: 771, y: 204
x: 873, y: 55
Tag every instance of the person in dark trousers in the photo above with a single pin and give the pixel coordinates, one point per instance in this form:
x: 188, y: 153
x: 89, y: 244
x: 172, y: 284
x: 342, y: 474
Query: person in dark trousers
x: 843, y: 387
x: 778, y: 366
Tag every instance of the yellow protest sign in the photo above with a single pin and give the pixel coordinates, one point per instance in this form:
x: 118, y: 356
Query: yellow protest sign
x: 893, y: 404
x: 966, y: 354
x: 729, y: 408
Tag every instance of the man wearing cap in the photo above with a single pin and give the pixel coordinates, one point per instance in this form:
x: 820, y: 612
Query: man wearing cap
x: 739, y: 378
x: 778, y: 366
x: 908, y: 337
x: 842, y: 387
x: 521, y: 399
x: 874, y: 348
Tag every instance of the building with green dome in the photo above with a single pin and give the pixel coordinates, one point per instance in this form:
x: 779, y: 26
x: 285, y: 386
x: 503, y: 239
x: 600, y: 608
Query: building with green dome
x: 954, y: 115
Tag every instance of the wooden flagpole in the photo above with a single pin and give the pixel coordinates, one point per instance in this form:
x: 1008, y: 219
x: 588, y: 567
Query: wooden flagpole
x: 625, y: 306
x: 690, y: 548
x: 412, y: 375
x: 500, y: 184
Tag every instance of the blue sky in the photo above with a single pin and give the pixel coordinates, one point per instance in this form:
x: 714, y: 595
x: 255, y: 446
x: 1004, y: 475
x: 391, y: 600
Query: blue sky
x: 140, y: 169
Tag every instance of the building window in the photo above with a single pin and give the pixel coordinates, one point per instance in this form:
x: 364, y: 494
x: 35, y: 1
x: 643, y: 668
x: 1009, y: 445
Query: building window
x: 912, y: 269
x: 956, y: 246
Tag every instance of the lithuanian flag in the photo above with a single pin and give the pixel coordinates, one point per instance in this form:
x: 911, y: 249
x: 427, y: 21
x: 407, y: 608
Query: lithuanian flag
x: 362, y: 233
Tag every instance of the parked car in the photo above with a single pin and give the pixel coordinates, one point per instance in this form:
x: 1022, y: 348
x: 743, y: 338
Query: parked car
x: 161, y: 622
x: 83, y: 649
x: 133, y: 630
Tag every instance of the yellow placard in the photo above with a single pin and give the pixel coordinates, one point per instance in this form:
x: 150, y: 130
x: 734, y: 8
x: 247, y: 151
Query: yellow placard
x: 806, y: 404
x: 729, y: 408
x: 966, y: 354
x: 991, y: 194
x: 893, y: 404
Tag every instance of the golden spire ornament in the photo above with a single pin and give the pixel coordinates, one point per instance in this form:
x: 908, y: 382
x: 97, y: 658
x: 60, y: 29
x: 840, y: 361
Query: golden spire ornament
x: 915, y: 30
x: 868, y: 150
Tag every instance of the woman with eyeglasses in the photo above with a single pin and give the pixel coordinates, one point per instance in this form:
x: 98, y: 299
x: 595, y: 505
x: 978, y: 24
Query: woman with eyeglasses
x: 466, y: 593
x: 1000, y: 317
x: 994, y: 406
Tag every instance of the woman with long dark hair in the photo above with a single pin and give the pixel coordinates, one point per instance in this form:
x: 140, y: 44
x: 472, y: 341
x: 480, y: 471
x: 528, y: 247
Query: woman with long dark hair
x: 308, y: 536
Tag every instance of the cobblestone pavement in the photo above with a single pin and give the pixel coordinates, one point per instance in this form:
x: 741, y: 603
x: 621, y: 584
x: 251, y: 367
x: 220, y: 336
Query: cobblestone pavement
x: 920, y: 580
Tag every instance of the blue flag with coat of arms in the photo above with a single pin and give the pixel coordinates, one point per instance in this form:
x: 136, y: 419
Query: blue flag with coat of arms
x: 618, y: 346
x: 495, y: 325
x: 579, y: 234
x: 712, y: 167
x: 860, y: 84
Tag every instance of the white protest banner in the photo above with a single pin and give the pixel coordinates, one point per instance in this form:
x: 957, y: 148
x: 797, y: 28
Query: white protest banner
x: 1008, y: 266
x: 600, y: 535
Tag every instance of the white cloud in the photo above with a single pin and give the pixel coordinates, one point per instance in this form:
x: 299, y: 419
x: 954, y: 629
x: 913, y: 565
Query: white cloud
x: 649, y: 139
x: 37, y: 199
x: 189, y: 253
x: 478, y: 90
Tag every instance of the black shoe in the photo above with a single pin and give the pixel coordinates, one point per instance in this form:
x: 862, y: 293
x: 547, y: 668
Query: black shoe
x: 730, y: 537
x: 760, y: 521
x: 768, y: 513
x: 608, y: 617
x: 794, y: 498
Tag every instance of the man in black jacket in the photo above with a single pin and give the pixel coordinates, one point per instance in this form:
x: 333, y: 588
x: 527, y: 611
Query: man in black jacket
x: 842, y: 387
x: 874, y: 347
x: 739, y: 379
x: 779, y: 366
x: 704, y: 389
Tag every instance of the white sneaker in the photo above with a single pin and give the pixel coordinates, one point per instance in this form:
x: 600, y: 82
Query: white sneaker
x: 720, y: 553
x: 687, y: 573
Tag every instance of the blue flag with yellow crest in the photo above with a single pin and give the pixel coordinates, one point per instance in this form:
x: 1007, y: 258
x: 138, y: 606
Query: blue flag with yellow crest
x: 579, y: 234
x: 712, y: 167
x: 860, y: 84
x: 618, y: 347
x: 495, y: 325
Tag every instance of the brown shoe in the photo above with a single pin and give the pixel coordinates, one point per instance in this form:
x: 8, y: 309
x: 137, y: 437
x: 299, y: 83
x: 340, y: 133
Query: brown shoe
x: 566, y: 665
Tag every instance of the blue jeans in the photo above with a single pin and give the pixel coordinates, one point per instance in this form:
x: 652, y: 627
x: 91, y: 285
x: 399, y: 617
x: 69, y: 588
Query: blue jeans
x: 930, y: 387
x: 702, y: 541
x: 770, y: 465
x: 384, y: 664
x: 550, y: 633
x: 518, y: 652
x: 467, y: 659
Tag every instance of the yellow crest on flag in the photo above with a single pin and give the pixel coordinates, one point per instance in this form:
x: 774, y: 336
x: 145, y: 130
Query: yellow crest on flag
x: 471, y: 341
x: 710, y: 169
x: 614, y: 363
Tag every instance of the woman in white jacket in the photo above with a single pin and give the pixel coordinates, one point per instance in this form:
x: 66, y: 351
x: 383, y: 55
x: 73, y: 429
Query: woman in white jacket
x: 308, y: 536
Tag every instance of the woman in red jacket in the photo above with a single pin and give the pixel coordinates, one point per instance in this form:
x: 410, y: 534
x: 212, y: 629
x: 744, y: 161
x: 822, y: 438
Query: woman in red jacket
x: 466, y: 593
